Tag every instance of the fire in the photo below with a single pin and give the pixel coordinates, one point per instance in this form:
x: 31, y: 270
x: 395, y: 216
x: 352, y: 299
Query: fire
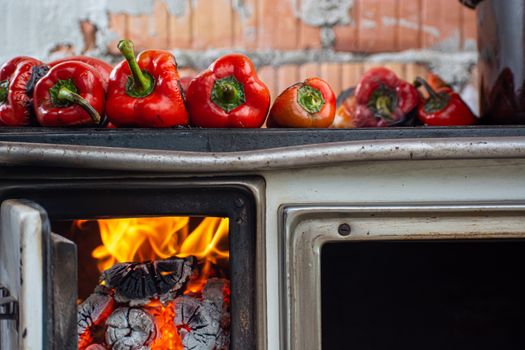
x: 168, y: 338
x: 141, y: 239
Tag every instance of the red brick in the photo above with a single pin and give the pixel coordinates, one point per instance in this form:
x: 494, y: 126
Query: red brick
x: 212, y: 24
x: 414, y: 70
x: 309, y: 70
x: 331, y: 73
x: 287, y: 75
x: 160, y: 19
x: 347, y: 36
x: 309, y: 36
x: 245, y: 28
x: 285, y: 26
x: 441, y: 23
x: 265, y: 23
x: 269, y: 76
x: 469, y: 30
x: 118, y: 25
x: 351, y: 74
x: 409, y: 25
x: 139, y: 31
x: 180, y: 30
x: 377, y: 25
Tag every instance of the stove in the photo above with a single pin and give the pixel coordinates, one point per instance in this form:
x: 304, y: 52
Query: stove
x: 334, y: 238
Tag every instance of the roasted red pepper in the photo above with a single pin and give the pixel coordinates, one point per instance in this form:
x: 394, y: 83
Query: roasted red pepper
x: 310, y: 104
x: 228, y: 95
x: 444, y: 108
x: 145, y: 92
x: 383, y: 99
x: 70, y: 94
x: 15, y: 104
x: 102, y: 67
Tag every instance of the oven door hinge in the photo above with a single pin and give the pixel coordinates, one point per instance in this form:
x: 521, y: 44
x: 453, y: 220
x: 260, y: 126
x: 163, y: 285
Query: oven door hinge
x: 8, y: 305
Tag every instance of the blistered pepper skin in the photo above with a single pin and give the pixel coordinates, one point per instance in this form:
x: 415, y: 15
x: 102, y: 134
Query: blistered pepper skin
x: 382, y: 99
x: 16, y: 109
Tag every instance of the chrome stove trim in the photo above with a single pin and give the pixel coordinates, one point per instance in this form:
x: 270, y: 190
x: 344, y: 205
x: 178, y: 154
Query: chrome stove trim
x: 34, y: 154
x: 305, y: 229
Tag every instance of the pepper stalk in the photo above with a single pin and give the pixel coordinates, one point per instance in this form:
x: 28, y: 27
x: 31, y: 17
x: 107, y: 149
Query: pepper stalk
x: 140, y: 83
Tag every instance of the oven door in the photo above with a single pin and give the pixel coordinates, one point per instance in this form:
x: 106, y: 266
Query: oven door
x: 37, y: 308
x: 412, y: 277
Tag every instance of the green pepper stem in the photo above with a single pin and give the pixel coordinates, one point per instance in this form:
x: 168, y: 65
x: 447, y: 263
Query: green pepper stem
x: 310, y: 99
x: 65, y: 94
x: 422, y: 82
x: 4, y: 84
x: 142, y: 83
x: 228, y: 93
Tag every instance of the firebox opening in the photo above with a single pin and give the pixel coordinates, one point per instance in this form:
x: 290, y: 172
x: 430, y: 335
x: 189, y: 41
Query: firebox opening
x: 158, y: 282
x: 423, y: 295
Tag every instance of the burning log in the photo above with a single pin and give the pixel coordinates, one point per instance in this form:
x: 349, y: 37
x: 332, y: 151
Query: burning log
x: 137, y: 283
x: 93, y: 312
x: 130, y: 328
x: 204, y: 324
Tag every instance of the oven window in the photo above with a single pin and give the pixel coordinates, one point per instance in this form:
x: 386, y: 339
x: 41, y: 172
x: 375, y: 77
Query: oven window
x: 423, y: 295
x: 156, y: 282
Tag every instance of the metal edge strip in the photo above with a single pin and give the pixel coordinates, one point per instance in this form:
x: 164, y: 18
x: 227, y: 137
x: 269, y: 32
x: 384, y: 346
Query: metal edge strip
x: 126, y: 159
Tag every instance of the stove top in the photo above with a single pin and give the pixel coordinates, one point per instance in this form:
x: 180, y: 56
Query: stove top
x: 235, y: 140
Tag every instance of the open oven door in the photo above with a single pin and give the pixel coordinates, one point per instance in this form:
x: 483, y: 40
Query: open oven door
x: 37, y: 296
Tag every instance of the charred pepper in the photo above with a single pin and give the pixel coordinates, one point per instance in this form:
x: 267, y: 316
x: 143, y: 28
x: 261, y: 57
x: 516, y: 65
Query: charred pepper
x: 15, y: 103
x: 310, y: 104
x: 443, y: 107
x: 70, y: 94
x: 383, y: 99
x: 228, y: 95
x: 145, y: 92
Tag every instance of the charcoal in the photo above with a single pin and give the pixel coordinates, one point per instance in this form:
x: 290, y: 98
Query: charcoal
x: 130, y: 329
x: 93, y: 312
x: 204, y: 323
x: 139, y: 282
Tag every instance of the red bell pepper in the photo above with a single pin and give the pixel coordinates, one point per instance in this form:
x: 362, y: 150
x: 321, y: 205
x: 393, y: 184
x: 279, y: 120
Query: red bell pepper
x: 15, y: 104
x: 228, y: 95
x: 145, y: 92
x: 310, y: 104
x: 383, y: 99
x: 444, y: 107
x: 70, y: 94
x: 102, y: 67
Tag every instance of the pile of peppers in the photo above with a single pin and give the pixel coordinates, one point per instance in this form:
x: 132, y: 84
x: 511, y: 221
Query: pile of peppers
x: 146, y: 91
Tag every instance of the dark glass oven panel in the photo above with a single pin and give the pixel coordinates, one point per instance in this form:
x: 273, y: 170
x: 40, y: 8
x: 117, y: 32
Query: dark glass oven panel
x: 423, y: 295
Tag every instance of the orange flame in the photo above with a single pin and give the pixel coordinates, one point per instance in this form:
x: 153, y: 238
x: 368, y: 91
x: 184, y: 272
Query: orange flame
x: 140, y: 239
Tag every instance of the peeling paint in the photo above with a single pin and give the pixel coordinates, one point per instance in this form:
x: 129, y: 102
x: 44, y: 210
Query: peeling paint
x: 53, y: 23
x: 244, y: 10
x: 405, y: 23
x: 322, y: 13
x: 130, y: 7
x: 177, y: 7
x: 367, y: 24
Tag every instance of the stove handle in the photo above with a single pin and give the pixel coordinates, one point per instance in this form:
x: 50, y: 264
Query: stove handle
x: 8, y: 305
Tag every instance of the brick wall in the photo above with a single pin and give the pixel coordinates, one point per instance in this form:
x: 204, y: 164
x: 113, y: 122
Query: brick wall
x: 372, y: 26
x: 375, y: 25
